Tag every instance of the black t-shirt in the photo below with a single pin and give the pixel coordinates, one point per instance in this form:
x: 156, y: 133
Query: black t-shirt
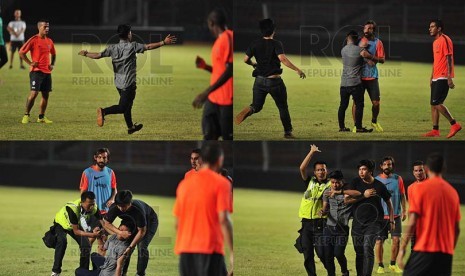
x: 136, y: 214
x: 368, y: 210
x: 75, y: 220
x: 266, y: 53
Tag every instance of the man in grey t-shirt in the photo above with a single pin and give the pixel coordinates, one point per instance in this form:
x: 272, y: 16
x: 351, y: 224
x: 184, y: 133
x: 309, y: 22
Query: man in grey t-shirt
x: 113, y: 262
x: 123, y: 57
x: 336, y: 231
x: 351, y: 83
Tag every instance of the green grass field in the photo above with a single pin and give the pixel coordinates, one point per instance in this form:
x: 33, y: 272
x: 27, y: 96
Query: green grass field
x: 265, y: 229
x: 313, y: 103
x: 27, y: 213
x: 168, y: 83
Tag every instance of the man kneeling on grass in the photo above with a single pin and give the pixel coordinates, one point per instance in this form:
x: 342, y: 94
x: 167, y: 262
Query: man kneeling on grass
x: 111, y: 264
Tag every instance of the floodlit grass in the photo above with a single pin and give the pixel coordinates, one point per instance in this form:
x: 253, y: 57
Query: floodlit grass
x: 265, y: 229
x: 167, y: 84
x: 26, y: 214
x: 314, y: 102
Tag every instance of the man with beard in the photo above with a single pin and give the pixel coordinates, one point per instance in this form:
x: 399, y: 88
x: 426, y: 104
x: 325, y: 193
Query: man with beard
x: 123, y: 57
x: 366, y: 193
x: 196, y: 162
x: 395, y: 185
x: 100, y: 180
x: 313, y: 223
x: 370, y: 74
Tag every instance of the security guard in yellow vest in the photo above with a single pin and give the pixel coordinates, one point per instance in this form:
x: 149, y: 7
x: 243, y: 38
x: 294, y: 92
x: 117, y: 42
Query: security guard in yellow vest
x: 312, y: 201
x: 72, y: 219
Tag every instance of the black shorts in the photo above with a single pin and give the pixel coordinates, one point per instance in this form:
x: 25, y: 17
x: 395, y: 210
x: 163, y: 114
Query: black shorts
x: 40, y: 81
x: 428, y: 264
x: 439, y: 91
x: 16, y: 45
x: 384, y: 234
x: 193, y: 264
x: 372, y: 87
x: 217, y: 121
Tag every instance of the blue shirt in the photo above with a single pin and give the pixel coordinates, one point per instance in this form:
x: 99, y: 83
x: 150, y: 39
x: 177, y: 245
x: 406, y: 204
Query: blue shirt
x: 395, y: 186
x: 99, y: 182
x: 369, y: 71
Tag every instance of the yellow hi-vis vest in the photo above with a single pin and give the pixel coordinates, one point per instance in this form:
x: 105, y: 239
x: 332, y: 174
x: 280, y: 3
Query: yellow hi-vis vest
x: 62, y: 216
x: 312, y: 201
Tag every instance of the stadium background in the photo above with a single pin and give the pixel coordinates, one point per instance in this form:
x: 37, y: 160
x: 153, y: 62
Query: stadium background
x: 100, y: 17
x: 167, y: 78
x: 275, y: 165
x: 38, y: 178
x: 143, y: 167
x: 318, y: 27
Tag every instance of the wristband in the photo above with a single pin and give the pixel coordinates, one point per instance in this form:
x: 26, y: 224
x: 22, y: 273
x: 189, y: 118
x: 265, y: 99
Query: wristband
x: 162, y: 43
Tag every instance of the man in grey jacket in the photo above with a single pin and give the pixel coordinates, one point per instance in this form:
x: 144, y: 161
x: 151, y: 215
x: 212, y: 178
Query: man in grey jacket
x: 351, y: 82
x: 123, y: 57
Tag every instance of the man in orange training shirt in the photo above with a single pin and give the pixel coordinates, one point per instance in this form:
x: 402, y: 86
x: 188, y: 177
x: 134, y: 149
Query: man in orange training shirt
x: 441, y: 78
x: 434, y: 217
x: 41, y: 47
x: 196, y: 162
x: 203, y: 224
x: 218, y: 97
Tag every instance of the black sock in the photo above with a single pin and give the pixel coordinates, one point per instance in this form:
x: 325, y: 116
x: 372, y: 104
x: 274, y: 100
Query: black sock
x: 41, y: 116
x: 374, y: 121
x: 436, y: 127
x: 393, y: 262
x: 452, y: 122
x: 381, y: 265
x: 27, y: 114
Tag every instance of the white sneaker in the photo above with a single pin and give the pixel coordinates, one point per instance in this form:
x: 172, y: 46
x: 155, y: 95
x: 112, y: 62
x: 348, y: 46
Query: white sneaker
x: 55, y: 274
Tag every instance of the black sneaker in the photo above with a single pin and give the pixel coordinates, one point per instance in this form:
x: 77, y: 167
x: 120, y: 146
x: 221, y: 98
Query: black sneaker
x: 289, y: 135
x: 344, y: 129
x: 364, y: 130
x: 134, y: 128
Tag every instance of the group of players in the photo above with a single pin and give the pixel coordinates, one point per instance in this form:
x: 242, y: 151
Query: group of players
x: 360, y: 58
x: 202, y: 210
x: 216, y: 99
x: 377, y: 206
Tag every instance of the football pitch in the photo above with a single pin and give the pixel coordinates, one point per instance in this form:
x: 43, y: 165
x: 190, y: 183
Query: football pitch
x: 167, y: 82
x: 265, y: 229
x: 26, y: 214
x: 313, y: 102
